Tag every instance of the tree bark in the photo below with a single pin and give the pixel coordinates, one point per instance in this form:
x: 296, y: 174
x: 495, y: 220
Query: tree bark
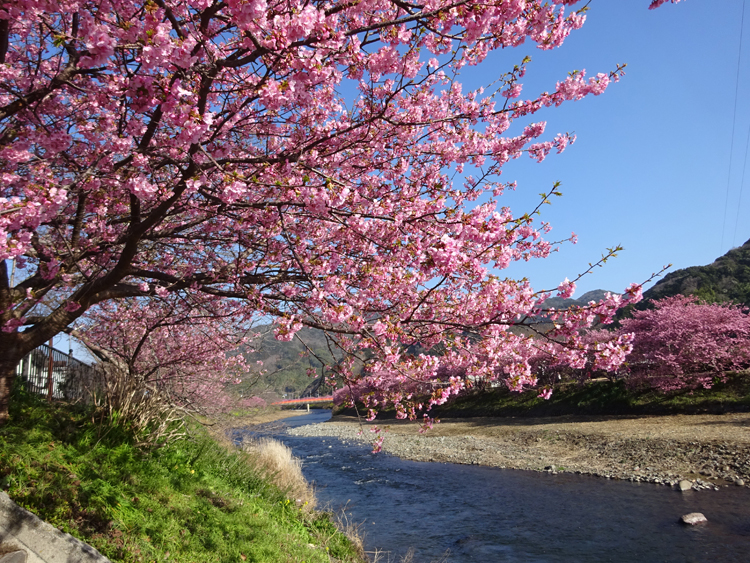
x: 13, y: 348
x: 7, y: 376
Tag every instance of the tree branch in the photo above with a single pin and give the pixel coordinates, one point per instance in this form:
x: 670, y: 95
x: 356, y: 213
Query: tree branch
x: 38, y: 95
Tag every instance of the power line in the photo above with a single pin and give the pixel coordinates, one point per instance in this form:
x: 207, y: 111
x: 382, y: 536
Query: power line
x: 742, y: 184
x: 734, y: 122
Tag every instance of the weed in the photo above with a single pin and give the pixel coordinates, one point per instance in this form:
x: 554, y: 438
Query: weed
x: 275, y: 462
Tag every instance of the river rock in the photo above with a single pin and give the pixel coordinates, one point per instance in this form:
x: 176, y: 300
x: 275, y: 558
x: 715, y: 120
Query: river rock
x: 740, y: 482
x: 693, y: 518
x: 685, y: 485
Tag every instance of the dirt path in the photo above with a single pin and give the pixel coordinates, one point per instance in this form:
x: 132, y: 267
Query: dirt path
x: 709, y: 450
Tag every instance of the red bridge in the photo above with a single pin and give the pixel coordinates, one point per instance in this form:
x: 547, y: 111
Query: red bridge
x: 304, y: 401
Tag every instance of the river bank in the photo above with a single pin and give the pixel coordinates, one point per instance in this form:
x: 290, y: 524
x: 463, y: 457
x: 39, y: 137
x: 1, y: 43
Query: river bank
x: 711, y: 451
x: 197, y: 498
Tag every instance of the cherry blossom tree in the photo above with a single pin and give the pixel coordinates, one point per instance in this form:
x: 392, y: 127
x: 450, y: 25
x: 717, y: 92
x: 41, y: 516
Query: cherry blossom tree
x: 681, y: 342
x: 605, y: 349
x: 179, y: 352
x: 318, y: 161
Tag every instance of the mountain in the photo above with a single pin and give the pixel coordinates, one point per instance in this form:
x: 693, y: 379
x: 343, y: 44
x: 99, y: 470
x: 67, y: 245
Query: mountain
x: 560, y: 303
x: 726, y: 279
x: 286, y: 363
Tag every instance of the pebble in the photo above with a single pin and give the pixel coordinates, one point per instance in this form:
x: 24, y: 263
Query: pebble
x: 685, y: 485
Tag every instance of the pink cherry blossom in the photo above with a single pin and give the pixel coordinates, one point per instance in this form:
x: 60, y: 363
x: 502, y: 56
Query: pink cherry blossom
x: 566, y: 289
x: 681, y: 342
x: 545, y: 393
x: 300, y: 162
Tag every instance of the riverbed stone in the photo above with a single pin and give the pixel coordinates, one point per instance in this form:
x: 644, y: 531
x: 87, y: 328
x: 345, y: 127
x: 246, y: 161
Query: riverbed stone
x: 693, y: 518
x: 685, y: 485
x: 740, y: 482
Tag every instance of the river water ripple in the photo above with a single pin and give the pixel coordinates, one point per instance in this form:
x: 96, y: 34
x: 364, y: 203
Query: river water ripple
x: 483, y: 514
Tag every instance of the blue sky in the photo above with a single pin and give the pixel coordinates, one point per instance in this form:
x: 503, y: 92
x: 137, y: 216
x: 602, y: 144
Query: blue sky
x: 651, y: 165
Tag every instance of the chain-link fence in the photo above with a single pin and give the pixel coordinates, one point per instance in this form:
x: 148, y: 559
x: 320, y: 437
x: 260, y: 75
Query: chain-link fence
x: 56, y: 375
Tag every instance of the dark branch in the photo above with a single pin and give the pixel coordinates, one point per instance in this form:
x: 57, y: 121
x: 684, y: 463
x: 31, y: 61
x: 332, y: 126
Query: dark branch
x: 38, y: 95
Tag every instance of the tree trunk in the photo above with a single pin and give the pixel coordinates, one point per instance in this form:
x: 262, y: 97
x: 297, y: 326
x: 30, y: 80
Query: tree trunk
x: 7, y: 376
x: 15, y: 345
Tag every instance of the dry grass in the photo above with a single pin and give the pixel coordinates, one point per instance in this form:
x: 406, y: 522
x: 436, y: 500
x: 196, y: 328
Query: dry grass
x: 353, y: 531
x: 276, y: 463
x: 378, y: 556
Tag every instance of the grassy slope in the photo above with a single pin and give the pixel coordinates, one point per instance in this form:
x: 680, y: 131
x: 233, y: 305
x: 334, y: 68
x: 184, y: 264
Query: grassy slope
x: 192, y: 501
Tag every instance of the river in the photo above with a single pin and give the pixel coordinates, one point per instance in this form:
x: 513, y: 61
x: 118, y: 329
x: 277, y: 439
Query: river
x: 463, y: 513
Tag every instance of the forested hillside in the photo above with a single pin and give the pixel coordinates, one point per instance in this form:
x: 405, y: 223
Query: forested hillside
x: 726, y: 279
x: 286, y: 363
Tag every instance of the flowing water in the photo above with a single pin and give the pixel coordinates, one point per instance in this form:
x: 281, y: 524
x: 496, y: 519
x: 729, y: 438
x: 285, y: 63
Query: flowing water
x: 483, y: 514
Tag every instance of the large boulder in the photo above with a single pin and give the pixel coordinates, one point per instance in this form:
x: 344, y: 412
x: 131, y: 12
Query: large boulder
x: 693, y: 518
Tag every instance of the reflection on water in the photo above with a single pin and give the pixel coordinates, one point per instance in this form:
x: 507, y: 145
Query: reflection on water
x: 483, y: 514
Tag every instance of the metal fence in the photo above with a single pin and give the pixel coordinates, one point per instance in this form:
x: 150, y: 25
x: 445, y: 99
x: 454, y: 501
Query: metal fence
x: 56, y: 375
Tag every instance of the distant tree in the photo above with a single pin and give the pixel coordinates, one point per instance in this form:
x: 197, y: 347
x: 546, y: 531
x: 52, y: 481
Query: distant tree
x: 683, y: 342
x: 601, y: 353
x: 168, y: 355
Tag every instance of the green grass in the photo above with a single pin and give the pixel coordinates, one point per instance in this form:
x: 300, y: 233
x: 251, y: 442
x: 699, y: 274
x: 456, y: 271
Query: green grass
x: 191, y: 501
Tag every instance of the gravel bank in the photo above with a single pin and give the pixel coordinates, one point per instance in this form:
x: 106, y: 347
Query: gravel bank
x: 709, y: 450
